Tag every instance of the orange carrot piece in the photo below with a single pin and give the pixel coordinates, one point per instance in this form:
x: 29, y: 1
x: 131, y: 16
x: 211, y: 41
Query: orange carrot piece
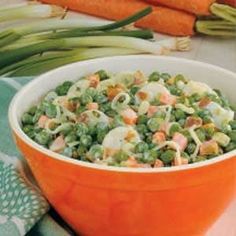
x: 92, y: 106
x: 162, y: 19
x: 191, y: 121
x: 42, y: 121
x: 152, y: 110
x: 167, y: 99
x: 158, y: 137
x: 58, y: 144
x: 158, y: 163
x: 180, y: 161
x: 198, y: 7
x: 112, y: 91
x: 181, y: 140
x: 209, y: 147
x: 129, y: 116
x: 94, y: 80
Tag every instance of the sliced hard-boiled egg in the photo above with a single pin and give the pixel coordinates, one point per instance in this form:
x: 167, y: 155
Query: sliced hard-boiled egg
x: 220, y: 115
x: 151, y: 91
x: 120, y: 136
x: 200, y: 88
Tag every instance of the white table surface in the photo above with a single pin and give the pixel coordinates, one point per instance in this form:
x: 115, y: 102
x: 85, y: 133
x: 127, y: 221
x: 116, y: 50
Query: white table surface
x: 221, y: 52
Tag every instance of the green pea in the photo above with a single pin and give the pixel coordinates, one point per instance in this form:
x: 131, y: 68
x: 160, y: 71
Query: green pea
x: 149, y: 157
x: 80, y: 109
x: 85, y: 99
x: 100, y: 98
x: 191, y: 148
x: 207, y: 120
x: 116, y: 122
x: 81, y: 129
x: 32, y: 110
x: 37, y: 115
x: 121, y: 156
x: 148, y: 138
x: 201, y: 134
x: 142, y: 129
x: 102, y: 74
x: 43, y: 137
x: 96, y: 152
x: 168, y: 156
x: 102, y: 126
x: 86, y: 140
x: 101, y: 136
x: 51, y: 110
x: 154, y: 124
x: 174, y: 90
x: 62, y: 89
x: 232, y: 135
x: 202, y: 113
x: 67, y: 129
x: 226, y: 128
x: 165, y: 76
x: 175, y: 127
x: 92, y: 130
x: 81, y: 152
x: 134, y: 90
x: 233, y: 124
x: 230, y: 147
x: 181, y: 122
x: 91, y: 92
x: 172, y: 118
x: 68, y: 151
x: 185, y: 155
x: 187, y: 135
x: 142, y: 119
x: 29, y: 130
x: 180, y: 78
x: 179, y: 114
x: 160, y: 114
x: 154, y: 76
x: 141, y: 147
x: 209, y: 132
x: 71, y: 137
x: 27, y: 119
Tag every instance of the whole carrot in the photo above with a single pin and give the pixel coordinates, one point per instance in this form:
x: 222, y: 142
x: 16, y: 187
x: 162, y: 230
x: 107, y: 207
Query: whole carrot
x: 201, y: 7
x: 198, y: 7
x: 162, y: 19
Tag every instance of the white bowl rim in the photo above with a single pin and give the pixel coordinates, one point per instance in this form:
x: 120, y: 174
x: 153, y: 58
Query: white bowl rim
x: 15, y: 126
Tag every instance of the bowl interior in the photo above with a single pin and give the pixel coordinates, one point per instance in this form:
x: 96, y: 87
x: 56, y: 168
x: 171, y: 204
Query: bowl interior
x: 215, y: 77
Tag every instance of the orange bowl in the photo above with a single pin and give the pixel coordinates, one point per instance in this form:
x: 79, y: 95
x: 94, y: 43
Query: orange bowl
x: 99, y: 200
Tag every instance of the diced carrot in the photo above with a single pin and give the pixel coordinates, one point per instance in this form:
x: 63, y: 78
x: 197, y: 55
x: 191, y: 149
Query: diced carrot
x: 158, y: 137
x: 130, y: 135
x: 209, y: 147
x: 42, y: 121
x: 191, y: 121
x: 164, y: 127
x: 204, y: 102
x: 167, y: 99
x: 129, y: 116
x: 209, y: 125
x: 58, y: 144
x: 94, y: 80
x: 92, y: 106
x: 142, y: 95
x: 112, y: 91
x: 180, y: 161
x: 181, y: 140
x: 132, y: 162
x: 152, y: 110
x: 158, y: 163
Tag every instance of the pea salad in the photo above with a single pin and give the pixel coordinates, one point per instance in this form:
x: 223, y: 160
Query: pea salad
x: 128, y: 119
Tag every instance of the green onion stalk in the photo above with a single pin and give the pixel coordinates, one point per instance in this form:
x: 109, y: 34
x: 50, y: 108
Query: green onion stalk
x: 36, y: 66
x: 10, y: 35
x: 154, y: 47
x: 32, y: 39
x: 30, y: 11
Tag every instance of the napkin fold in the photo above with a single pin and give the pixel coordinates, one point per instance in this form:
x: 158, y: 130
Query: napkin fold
x: 23, y: 209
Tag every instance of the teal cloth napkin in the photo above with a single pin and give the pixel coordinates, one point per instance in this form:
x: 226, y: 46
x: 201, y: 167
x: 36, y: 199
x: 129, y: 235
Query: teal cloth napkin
x: 23, y: 209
